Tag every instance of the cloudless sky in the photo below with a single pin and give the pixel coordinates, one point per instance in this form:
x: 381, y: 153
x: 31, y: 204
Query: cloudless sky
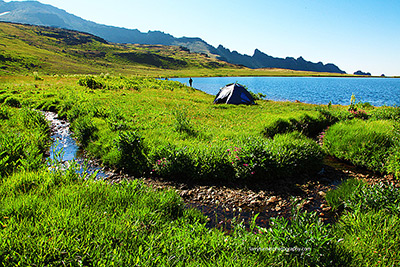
x: 353, y: 34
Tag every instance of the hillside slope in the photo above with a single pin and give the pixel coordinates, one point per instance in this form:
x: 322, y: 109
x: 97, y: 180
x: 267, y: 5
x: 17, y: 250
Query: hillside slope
x: 26, y: 48
x: 36, y: 13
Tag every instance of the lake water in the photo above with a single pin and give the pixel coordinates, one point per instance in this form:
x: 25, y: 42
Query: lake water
x: 315, y: 90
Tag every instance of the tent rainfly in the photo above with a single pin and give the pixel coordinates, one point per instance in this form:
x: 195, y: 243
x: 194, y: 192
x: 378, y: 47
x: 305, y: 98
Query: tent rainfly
x: 234, y: 93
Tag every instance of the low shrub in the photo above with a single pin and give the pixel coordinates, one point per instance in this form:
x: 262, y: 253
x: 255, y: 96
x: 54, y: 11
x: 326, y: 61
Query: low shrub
x: 357, y: 195
x: 382, y: 196
x: 315, y: 241
x: 213, y: 163
x: 176, y: 163
x: 12, y: 102
x: 359, y: 114
x: 295, y: 154
x: 132, y: 153
x: 386, y: 113
x: 393, y: 162
x: 277, y: 126
x: 90, y: 82
x: 3, y: 97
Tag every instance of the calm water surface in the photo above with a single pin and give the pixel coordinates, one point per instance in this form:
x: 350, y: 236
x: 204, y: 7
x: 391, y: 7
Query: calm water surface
x: 377, y: 91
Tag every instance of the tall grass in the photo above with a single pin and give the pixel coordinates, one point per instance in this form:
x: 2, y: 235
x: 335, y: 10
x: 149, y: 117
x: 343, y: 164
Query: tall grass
x: 369, y: 227
x: 24, y: 138
x: 363, y: 143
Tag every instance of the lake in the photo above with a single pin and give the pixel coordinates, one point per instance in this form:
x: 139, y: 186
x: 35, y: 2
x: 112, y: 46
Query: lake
x: 315, y: 90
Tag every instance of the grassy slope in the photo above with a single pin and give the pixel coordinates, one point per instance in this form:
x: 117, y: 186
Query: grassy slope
x: 25, y: 49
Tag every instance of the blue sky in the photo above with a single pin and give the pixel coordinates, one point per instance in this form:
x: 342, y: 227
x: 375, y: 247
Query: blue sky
x: 355, y: 35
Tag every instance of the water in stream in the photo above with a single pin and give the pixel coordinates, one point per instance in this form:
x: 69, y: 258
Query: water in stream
x: 65, y: 149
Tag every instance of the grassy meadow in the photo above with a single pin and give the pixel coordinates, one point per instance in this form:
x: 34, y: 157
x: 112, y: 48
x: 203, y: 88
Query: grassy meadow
x: 146, y: 126
x: 134, y: 123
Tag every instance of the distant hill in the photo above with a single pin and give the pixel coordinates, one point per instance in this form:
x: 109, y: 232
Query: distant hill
x: 359, y: 72
x: 48, y: 50
x: 36, y: 13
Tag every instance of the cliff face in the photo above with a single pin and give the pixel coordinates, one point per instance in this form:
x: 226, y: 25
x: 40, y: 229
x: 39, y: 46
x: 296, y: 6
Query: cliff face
x: 36, y: 13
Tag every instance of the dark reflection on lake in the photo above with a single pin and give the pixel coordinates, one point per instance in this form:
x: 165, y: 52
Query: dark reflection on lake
x: 377, y: 91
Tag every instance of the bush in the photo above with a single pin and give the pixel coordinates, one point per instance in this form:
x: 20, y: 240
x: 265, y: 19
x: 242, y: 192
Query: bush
x: 213, y: 163
x: 382, y: 196
x: 338, y: 197
x: 393, y: 163
x: 3, y: 97
x: 12, y: 102
x: 386, y: 113
x: 254, y: 158
x: 315, y: 241
x: 287, y: 155
x: 359, y: 114
x: 175, y: 163
x: 294, y: 154
x: 90, y: 82
x: 132, y: 153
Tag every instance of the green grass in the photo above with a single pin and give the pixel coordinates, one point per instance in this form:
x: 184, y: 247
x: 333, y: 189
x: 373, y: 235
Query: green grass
x: 174, y: 121
x: 60, y: 219
x: 24, y: 138
x: 370, y: 224
x: 53, y: 217
x: 363, y: 143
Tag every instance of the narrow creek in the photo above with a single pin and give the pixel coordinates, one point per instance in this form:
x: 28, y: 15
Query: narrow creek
x: 224, y: 203
x: 65, y: 149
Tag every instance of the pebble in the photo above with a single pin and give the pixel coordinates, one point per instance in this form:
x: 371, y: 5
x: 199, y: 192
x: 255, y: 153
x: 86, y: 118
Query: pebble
x: 272, y: 199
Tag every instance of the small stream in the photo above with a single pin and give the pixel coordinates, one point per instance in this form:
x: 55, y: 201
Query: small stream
x: 65, y: 149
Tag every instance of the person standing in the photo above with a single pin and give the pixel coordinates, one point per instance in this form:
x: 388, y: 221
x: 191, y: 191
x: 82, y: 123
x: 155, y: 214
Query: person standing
x: 190, y: 82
